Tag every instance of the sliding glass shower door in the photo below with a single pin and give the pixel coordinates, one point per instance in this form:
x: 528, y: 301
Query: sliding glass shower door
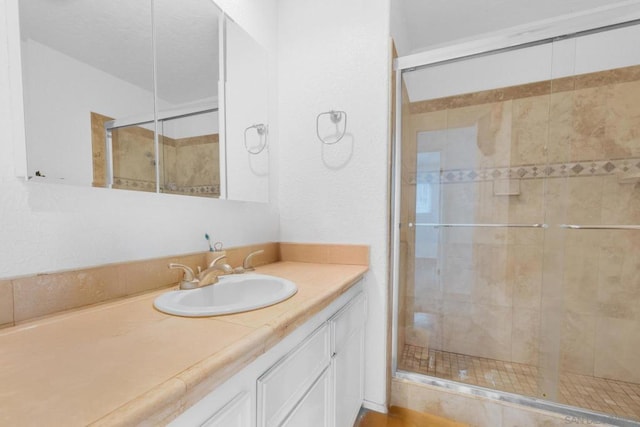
x: 519, y: 242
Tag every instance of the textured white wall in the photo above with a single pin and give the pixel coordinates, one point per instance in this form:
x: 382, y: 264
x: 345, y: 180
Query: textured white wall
x: 334, y: 54
x: 47, y: 227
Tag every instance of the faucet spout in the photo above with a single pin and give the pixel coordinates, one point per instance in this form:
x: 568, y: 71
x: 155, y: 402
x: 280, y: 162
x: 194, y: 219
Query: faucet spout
x: 210, y: 275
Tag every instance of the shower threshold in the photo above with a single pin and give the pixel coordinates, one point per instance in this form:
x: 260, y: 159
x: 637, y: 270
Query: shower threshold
x: 617, y: 398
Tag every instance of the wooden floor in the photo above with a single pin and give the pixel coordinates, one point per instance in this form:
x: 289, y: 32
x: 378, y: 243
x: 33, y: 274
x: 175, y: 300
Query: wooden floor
x: 402, y: 417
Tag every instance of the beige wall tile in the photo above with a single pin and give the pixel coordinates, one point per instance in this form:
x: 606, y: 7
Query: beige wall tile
x: 528, y: 207
x: 477, y: 330
x: 623, y: 120
x: 589, y: 123
x: 581, y: 279
x: 525, y: 335
x: 529, y: 417
x: 584, y: 196
x: 578, y: 343
x: 560, y: 127
x: 49, y: 293
x: 620, y: 202
x: 530, y: 130
x: 141, y: 276
x: 525, y: 272
x: 461, y: 202
x: 348, y: 254
x: 454, y: 406
x: 301, y: 252
x: 617, y: 346
x: 6, y: 303
x: 325, y: 253
x: 490, y: 284
x: 619, y: 282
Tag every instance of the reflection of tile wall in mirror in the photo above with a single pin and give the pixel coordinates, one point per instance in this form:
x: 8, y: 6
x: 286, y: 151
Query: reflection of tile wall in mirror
x: 188, y: 166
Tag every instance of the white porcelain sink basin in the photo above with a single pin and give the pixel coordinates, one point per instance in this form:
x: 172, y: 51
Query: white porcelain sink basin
x: 232, y: 294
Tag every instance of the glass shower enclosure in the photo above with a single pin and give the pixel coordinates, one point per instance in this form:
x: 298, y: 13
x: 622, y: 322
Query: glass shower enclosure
x: 518, y: 210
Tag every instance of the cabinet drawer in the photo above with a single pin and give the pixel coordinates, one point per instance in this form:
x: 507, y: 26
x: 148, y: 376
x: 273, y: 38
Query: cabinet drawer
x: 282, y: 386
x: 350, y: 319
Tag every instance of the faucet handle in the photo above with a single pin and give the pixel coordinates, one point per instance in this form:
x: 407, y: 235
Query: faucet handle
x: 215, y: 260
x: 189, y: 280
x: 246, y: 264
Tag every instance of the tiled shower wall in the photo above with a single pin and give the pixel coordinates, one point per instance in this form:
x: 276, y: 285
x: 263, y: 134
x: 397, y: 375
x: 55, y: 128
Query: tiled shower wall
x: 568, y: 144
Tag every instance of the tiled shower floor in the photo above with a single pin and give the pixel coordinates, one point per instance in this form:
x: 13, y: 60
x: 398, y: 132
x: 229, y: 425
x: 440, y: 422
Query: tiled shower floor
x: 597, y: 394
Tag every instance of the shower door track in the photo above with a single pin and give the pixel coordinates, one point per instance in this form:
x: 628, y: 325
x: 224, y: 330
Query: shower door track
x: 564, y: 27
x: 572, y: 413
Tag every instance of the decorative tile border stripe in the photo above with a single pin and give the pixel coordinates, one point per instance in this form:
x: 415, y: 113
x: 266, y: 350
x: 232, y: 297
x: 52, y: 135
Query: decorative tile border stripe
x: 135, y: 184
x: 551, y: 170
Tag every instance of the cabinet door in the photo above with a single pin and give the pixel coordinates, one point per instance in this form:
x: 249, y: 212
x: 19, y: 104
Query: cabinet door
x: 314, y: 409
x: 282, y: 386
x: 347, y: 363
x: 236, y: 413
x: 348, y: 371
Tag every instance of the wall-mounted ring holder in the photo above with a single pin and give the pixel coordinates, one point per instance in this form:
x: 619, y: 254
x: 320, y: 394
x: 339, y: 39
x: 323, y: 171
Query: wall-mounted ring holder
x: 262, y: 130
x: 335, y: 117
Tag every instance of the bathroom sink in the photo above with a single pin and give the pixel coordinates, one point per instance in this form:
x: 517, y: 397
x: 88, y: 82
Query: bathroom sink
x: 232, y: 294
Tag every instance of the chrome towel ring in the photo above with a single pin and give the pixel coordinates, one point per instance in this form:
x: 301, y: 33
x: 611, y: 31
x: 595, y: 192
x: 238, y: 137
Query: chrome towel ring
x: 335, y: 117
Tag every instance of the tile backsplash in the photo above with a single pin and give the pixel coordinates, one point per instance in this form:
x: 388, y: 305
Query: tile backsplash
x: 29, y: 297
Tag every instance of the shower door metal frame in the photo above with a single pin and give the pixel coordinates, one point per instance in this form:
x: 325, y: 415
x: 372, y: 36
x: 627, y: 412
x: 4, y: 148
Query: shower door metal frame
x: 622, y: 14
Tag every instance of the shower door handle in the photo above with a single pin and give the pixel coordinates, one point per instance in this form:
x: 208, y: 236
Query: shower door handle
x: 599, y: 227
x: 438, y: 225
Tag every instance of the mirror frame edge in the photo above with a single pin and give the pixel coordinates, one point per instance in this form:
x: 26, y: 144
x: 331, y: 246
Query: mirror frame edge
x: 16, y: 92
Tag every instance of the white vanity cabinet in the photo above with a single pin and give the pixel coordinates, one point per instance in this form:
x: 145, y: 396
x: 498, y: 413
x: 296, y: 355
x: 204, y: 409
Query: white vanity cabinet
x: 313, y: 377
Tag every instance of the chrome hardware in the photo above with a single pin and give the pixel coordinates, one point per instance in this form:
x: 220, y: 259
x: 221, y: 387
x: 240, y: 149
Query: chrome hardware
x: 599, y: 227
x: 437, y: 225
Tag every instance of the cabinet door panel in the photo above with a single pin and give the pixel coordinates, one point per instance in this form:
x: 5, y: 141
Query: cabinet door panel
x: 347, y: 321
x: 236, y: 413
x: 314, y: 409
x: 348, y: 372
x: 282, y: 386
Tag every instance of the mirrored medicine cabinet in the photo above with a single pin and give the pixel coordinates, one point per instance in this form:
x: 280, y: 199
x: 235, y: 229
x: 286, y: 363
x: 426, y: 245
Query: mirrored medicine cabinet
x: 147, y: 95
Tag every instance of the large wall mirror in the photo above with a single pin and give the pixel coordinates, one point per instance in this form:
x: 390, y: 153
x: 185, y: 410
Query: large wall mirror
x: 126, y: 94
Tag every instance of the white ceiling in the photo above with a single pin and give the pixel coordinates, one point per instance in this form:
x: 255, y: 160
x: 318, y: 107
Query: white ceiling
x: 115, y: 36
x: 422, y: 24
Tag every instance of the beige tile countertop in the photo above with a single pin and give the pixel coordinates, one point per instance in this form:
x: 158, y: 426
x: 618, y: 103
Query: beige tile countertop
x: 125, y: 363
